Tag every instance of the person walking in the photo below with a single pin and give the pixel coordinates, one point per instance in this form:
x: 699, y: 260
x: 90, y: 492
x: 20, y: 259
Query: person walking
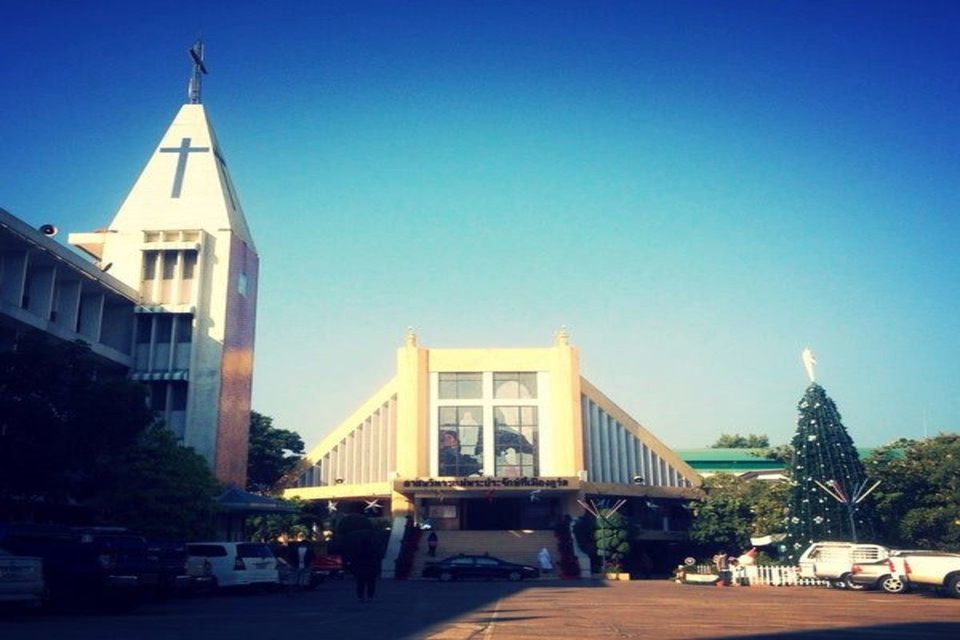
x: 432, y: 541
x: 545, y: 561
x: 364, y: 558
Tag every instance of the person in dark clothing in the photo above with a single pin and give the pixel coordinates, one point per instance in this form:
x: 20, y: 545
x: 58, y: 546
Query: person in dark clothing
x: 362, y: 554
x: 300, y: 558
x: 432, y: 541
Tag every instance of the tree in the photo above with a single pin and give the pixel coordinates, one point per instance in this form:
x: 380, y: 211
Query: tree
x: 737, y: 441
x: 824, y: 456
x: 75, y: 431
x: 162, y: 489
x: 734, y: 510
x: 612, y: 537
x: 918, y: 500
x: 65, y: 419
x: 274, y: 452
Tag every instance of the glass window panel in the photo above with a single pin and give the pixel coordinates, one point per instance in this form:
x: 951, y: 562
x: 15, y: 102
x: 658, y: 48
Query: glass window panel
x: 506, y: 415
x: 169, y: 264
x: 158, y: 396
x: 143, y: 329
x: 469, y: 386
x: 460, y: 385
x: 179, y: 396
x: 184, y: 328
x: 448, y: 416
x: 149, y: 265
x: 460, y: 441
x: 189, y: 264
x: 527, y: 383
x: 528, y: 415
x: 508, y: 386
x: 515, y: 441
x: 164, y: 328
x: 448, y: 387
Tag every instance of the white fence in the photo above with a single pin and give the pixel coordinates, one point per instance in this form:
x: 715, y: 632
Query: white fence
x: 768, y: 576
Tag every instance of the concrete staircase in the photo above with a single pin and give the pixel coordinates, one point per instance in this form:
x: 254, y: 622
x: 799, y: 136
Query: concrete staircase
x: 520, y: 546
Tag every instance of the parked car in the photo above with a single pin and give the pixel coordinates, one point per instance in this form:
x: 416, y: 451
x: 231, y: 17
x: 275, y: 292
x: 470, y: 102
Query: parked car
x: 834, y: 561
x: 485, y: 567
x: 326, y: 566
x: 936, y: 569
x: 21, y: 578
x: 87, y: 568
x: 160, y: 567
x: 886, y: 575
x: 170, y: 559
x: 235, y: 564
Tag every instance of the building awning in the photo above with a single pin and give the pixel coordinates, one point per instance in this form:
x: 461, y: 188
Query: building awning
x: 237, y: 500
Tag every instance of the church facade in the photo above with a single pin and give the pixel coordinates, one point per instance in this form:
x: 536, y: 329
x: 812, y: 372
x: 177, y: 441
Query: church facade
x: 495, y: 439
x: 169, y: 294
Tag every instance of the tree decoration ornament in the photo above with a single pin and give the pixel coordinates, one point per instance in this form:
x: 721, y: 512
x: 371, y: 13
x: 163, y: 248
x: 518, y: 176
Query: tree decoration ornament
x: 373, y: 505
x: 331, y: 506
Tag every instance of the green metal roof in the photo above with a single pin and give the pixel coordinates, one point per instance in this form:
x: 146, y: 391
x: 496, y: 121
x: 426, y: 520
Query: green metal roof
x: 711, y: 459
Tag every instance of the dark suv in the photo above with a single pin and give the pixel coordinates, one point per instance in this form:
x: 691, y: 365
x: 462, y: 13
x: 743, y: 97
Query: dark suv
x: 83, y: 566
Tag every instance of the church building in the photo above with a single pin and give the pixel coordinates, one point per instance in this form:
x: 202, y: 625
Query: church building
x: 170, y: 296
x: 495, y: 439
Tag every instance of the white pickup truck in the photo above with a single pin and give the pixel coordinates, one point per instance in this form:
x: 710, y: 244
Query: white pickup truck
x: 933, y: 569
x: 833, y: 561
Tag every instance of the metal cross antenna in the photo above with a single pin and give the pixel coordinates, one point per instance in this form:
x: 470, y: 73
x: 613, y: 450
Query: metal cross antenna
x: 199, y: 69
x: 836, y: 491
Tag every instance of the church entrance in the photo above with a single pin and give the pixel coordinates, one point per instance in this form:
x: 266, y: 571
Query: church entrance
x: 482, y: 514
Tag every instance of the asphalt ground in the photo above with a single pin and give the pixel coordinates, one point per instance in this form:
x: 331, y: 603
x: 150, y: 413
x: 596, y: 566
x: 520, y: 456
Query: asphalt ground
x: 581, y: 610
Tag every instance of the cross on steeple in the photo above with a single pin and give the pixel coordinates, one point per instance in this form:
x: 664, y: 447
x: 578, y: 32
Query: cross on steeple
x: 199, y: 69
x: 183, y: 150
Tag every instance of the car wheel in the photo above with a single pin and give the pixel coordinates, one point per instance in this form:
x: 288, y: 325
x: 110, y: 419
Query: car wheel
x: 515, y: 576
x: 446, y: 576
x: 953, y: 587
x: 838, y: 584
x: 892, y: 584
x: 849, y: 584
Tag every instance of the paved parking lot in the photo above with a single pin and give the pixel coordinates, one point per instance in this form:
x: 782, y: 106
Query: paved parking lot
x: 539, y: 610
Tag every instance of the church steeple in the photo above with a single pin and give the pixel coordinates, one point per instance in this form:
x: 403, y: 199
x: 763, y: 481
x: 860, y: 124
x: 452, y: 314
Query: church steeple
x: 181, y: 239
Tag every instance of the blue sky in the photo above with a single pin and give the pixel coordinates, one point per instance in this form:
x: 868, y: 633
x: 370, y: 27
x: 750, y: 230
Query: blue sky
x: 697, y: 190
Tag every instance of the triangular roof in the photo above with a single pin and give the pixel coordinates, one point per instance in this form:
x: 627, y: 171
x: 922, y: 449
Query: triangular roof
x: 185, y: 184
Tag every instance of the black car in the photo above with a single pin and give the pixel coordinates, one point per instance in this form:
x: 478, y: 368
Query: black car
x: 478, y: 567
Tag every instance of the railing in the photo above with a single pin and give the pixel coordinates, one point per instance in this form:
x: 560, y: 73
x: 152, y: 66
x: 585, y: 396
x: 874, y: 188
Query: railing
x: 766, y: 576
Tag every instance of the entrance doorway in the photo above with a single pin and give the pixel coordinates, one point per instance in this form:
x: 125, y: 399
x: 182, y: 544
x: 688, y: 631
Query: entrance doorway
x: 499, y: 514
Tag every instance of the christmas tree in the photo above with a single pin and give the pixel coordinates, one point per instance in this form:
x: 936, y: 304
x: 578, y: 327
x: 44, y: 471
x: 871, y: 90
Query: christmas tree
x: 827, y: 478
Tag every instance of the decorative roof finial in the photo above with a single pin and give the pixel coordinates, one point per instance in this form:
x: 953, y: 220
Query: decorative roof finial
x: 410, y: 339
x: 199, y: 69
x: 561, y: 337
x: 809, y: 362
